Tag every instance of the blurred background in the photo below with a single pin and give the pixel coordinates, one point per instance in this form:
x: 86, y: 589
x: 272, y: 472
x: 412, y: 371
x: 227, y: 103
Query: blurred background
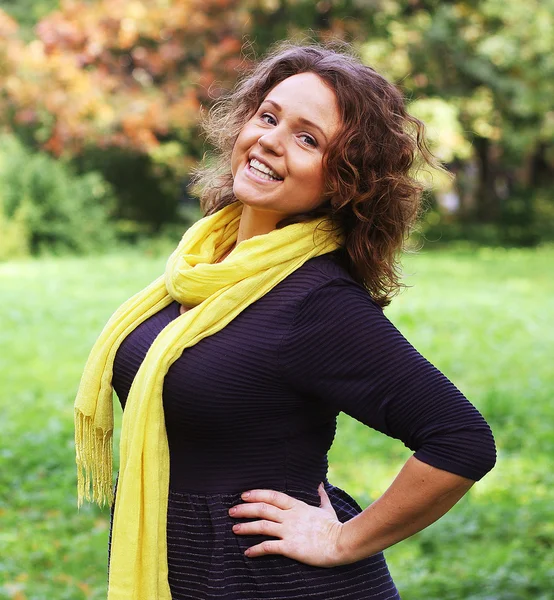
x: 99, y: 109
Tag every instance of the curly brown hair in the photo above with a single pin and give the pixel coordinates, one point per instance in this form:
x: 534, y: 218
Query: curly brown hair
x: 371, y: 192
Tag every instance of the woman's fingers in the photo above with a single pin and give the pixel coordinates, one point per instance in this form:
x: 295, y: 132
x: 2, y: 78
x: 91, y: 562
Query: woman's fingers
x: 273, y: 497
x: 259, y: 510
x: 325, y: 500
x: 304, y: 532
x: 263, y: 504
x: 269, y: 547
x: 258, y: 528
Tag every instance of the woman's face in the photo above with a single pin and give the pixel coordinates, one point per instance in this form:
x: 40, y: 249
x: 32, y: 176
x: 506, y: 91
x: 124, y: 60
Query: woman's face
x: 288, y: 135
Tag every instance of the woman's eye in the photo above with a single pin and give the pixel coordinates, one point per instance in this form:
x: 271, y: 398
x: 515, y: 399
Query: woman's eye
x: 310, y: 139
x: 267, y: 115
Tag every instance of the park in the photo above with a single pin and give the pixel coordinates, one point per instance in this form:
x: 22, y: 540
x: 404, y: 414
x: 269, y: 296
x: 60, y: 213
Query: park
x: 99, y: 135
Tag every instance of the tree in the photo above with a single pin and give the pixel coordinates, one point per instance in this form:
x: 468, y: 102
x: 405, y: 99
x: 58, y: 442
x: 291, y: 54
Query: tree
x: 117, y: 85
x: 491, y: 62
x: 122, y: 76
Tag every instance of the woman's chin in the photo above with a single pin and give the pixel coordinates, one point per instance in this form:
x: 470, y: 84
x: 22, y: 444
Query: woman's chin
x: 250, y: 196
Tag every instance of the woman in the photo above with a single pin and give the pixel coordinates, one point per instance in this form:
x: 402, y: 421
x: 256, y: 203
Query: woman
x: 232, y: 367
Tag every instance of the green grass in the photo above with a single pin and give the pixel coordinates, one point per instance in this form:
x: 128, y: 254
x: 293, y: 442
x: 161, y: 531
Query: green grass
x: 483, y: 317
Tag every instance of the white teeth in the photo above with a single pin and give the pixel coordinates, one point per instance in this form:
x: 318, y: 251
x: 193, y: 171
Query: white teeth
x: 256, y: 164
x: 265, y: 176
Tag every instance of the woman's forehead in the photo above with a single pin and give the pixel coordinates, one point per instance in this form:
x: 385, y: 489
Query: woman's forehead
x: 308, y: 97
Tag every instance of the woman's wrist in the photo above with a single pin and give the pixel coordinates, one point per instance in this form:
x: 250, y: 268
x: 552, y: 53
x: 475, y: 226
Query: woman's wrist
x: 419, y: 495
x: 352, y: 545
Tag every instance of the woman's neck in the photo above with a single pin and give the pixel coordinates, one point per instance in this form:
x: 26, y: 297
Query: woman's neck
x: 254, y: 221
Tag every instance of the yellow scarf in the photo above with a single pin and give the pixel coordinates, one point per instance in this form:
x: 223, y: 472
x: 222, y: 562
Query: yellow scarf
x: 218, y: 292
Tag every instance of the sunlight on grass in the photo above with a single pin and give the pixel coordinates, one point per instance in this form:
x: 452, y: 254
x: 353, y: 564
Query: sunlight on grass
x: 484, y: 318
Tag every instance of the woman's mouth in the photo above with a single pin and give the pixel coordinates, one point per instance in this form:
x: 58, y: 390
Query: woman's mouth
x: 260, y: 175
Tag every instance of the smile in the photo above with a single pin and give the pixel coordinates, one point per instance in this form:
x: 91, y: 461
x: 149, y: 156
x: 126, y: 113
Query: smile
x: 260, y: 176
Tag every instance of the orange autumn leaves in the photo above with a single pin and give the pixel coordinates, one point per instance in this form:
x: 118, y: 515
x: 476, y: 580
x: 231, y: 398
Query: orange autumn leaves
x: 118, y: 72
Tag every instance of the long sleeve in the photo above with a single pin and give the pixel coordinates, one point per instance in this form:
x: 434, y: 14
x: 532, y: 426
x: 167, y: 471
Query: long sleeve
x: 343, y: 351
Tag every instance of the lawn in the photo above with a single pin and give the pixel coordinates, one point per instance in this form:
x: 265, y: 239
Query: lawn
x: 484, y: 317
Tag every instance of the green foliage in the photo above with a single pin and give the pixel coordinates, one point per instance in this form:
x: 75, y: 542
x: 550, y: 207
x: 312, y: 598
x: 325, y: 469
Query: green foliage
x: 479, y: 74
x: 526, y: 219
x: 481, y: 316
x: 147, y: 192
x: 544, y: 214
x: 14, y: 233
x: 28, y: 12
x: 53, y: 209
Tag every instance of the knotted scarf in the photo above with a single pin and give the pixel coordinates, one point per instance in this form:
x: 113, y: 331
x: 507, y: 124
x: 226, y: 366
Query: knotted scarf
x: 215, y: 294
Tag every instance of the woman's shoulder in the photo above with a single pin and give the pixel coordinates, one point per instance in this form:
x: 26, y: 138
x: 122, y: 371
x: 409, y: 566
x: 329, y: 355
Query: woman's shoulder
x: 317, y: 275
x: 323, y: 268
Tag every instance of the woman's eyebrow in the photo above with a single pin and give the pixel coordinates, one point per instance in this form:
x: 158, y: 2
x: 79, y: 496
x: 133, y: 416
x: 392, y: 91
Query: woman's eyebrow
x: 301, y: 119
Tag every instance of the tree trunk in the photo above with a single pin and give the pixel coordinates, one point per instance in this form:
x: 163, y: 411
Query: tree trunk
x: 487, y: 200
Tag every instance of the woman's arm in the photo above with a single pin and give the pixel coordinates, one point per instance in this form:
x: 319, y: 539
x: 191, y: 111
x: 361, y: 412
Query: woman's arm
x: 342, y: 354
x: 418, y: 496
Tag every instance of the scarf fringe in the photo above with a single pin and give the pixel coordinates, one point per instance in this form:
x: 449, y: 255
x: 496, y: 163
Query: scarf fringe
x: 94, y: 456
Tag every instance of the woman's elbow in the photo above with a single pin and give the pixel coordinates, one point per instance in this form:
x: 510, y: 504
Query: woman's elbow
x: 488, y: 451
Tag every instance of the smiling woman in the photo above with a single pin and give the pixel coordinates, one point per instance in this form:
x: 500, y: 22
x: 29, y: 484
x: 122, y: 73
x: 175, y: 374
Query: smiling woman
x: 231, y: 368
x: 341, y: 133
x: 287, y: 138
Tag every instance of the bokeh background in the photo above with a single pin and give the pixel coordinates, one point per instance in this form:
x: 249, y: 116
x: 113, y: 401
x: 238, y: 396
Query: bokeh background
x: 99, y: 109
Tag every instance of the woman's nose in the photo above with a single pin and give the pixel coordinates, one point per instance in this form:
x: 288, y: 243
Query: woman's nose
x: 271, y: 142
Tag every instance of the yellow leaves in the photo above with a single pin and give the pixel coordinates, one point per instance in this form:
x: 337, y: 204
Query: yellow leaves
x: 170, y: 154
x: 117, y: 72
x: 13, y: 85
x: 392, y: 61
x: 400, y: 34
x: 270, y: 5
x: 462, y: 9
x: 136, y: 10
x: 105, y: 115
x: 390, y: 7
x: 128, y: 33
x: 444, y: 130
x: 481, y: 112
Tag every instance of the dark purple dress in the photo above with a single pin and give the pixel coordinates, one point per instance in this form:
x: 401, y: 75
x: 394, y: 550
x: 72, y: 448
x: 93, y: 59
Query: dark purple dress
x: 255, y: 406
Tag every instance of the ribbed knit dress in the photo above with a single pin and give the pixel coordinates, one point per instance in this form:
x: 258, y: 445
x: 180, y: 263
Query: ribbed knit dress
x: 255, y: 406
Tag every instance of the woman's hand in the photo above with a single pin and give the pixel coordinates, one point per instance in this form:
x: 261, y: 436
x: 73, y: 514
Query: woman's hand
x: 309, y: 534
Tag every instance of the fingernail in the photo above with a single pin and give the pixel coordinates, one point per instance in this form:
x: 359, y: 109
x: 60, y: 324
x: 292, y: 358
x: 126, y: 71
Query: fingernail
x: 247, y: 552
x: 233, y: 510
x: 246, y: 494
